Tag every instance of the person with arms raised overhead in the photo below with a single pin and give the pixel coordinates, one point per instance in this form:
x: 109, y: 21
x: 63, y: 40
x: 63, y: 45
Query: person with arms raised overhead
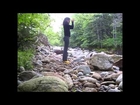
x: 67, y: 28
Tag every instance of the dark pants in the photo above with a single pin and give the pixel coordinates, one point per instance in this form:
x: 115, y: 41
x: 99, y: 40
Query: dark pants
x: 66, y: 44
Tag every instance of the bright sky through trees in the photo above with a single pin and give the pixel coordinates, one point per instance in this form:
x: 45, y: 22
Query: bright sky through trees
x: 58, y: 17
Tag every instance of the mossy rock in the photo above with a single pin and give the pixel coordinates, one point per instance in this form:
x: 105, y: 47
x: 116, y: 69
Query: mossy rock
x: 43, y: 84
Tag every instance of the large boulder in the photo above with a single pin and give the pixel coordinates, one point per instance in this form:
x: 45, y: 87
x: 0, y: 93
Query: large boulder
x: 101, y: 61
x: 43, y: 84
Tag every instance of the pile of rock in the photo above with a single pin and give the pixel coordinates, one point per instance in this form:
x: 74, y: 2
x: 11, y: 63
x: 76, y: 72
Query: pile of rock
x: 93, y: 73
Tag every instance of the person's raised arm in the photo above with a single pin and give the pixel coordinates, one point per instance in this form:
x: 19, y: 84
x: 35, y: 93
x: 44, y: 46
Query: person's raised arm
x: 72, y: 26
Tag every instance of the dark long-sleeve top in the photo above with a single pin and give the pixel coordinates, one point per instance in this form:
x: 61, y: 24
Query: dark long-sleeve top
x: 67, y: 28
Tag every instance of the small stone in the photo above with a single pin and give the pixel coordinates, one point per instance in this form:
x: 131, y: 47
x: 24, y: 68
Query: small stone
x: 98, y: 85
x: 87, y: 89
x: 107, y: 82
x: 78, y: 90
x: 112, y: 86
x: 121, y: 85
x: 74, y: 76
x: 76, y: 86
x: 97, y: 76
x: 80, y: 74
x: 75, y: 72
x: 88, y: 84
x: 114, y: 90
x: 22, y: 69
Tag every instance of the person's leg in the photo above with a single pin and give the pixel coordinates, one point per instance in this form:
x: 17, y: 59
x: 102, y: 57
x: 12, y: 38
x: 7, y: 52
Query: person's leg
x: 66, y: 44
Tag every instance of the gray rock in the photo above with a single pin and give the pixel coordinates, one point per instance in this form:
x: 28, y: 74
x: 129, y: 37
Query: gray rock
x: 107, y: 82
x: 112, y: 86
x: 68, y: 80
x: 85, y: 68
x: 103, y: 74
x: 87, y: 89
x: 97, y: 76
x: 102, y: 61
x: 21, y: 69
x: 39, y: 62
x: 114, y: 90
x: 80, y: 74
x: 19, y: 82
x: 121, y: 86
x: 89, y: 84
x: 119, y: 79
x: 26, y: 75
x: 89, y: 79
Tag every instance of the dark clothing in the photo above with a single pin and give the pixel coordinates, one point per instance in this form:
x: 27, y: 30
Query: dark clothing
x: 67, y: 28
x: 66, y: 45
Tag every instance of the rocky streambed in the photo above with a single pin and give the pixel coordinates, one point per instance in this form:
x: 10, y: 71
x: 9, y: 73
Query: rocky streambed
x: 87, y: 72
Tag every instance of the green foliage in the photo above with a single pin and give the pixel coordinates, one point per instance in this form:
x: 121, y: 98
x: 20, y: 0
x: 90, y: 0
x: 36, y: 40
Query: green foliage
x: 97, y: 31
x: 24, y: 59
x: 108, y: 42
x: 29, y: 25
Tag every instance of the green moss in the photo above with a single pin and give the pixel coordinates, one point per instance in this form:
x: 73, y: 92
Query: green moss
x: 44, y: 84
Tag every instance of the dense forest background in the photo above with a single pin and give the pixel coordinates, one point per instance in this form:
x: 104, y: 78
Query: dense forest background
x: 98, y: 31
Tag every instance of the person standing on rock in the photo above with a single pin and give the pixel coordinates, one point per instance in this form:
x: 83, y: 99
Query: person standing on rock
x: 67, y: 28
